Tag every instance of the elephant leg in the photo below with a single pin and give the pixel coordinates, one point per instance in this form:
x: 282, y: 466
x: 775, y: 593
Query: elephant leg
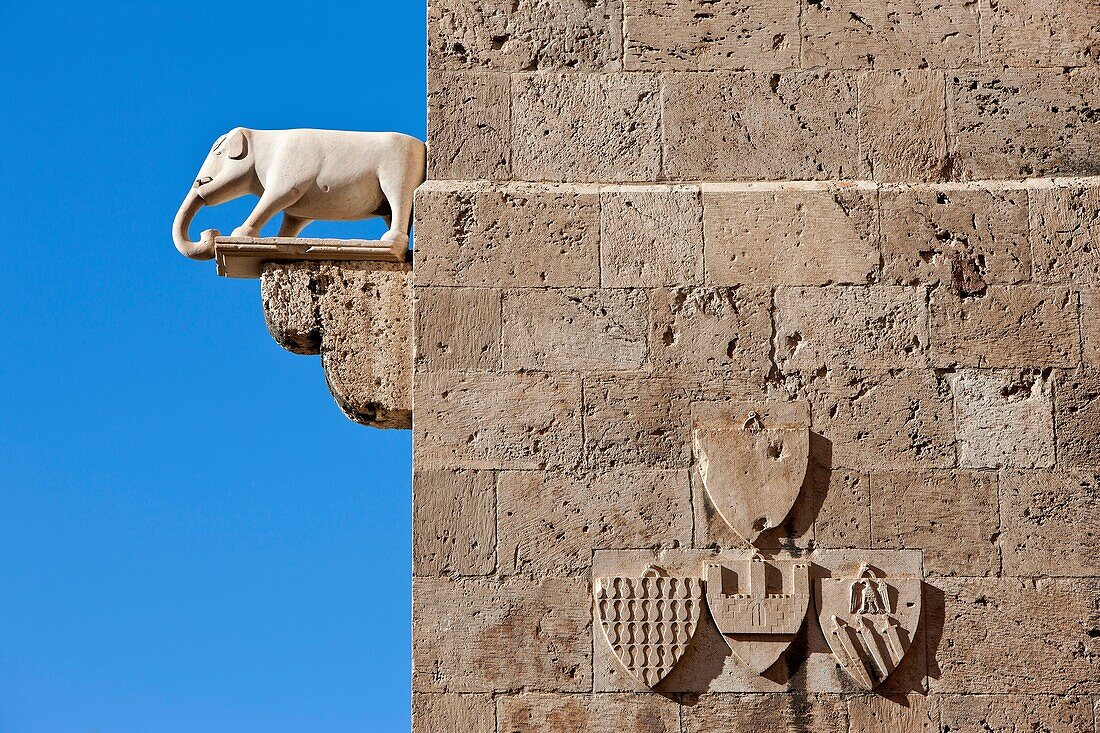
x: 268, y: 206
x: 292, y: 226
x: 399, y: 194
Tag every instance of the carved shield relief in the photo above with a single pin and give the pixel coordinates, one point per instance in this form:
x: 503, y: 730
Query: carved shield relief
x: 759, y: 606
x: 869, y: 622
x: 649, y: 621
x: 753, y: 463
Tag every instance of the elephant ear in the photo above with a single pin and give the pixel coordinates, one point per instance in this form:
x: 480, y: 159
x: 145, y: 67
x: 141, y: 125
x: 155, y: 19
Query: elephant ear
x: 236, y: 144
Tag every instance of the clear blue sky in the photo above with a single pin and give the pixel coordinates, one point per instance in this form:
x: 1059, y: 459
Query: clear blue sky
x: 192, y: 537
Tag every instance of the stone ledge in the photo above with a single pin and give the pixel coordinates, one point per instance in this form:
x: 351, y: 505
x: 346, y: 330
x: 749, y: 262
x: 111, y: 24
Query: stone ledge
x: 358, y: 317
x: 245, y: 257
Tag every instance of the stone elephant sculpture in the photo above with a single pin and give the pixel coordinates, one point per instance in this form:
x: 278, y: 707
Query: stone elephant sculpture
x: 307, y: 175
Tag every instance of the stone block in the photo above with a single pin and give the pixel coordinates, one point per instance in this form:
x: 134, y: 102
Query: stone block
x: 950, y: 515
x: 586, y: 127
x: 1065, y: 230
x: 632, y: 419
x: 652, y: 236
x: 849, y: 34
x: 1008, y: 326
x: 1050, y: 522
x: 790, y: 235
x: 550, y: 523
x: 1077, y: 418
x: 1040, y: 32
x: 726, y: 126
x: 901, y: 419
x: 1003, y: 419
x: 510, y: 236
x: 605, y: 713
x: 1014, y: 714
x: 1090, y: 327
x: 358, y: 316
x: 965, y: 236
x: 469, y: 125
x: 751, y: 713
x: 883, y: 326
x: 482, y: 635
x: 715, y: 331
x: 844, y: 516
x: 453, y: 714
x: 457, y: 329
x: 1017, y: 123
x: 1015, y: 635
x: 575, y: 330
x: 524, y: 35
x: 666, y: 35
x: 903, y: 125
x: 901, y: 714
x: 454, y: 522
x: 497, y: 421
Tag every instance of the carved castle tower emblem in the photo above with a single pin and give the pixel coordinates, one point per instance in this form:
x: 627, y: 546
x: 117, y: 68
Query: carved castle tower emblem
x: 759, y: 607
x: 869, y: 622
x: 649, y: 621
x: 753, y: 462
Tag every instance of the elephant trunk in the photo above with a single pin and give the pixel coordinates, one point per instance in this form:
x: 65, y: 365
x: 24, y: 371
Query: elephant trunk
x: 181, y: 228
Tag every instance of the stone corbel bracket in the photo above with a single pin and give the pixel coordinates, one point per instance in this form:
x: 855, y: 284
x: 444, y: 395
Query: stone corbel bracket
x: 358, y: 317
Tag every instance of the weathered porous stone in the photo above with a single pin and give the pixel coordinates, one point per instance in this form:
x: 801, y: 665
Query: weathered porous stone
x: 469, y: 125
x: 848, y: 34
x: 716, y: 331
x: 1007, y: 326
x: 1077, y: 418
x: 550, y: 524
x: 358, y: 316
x: 482, y: 635
x: 1065, y: 226
x: 524, y: 35
x: 758, y: 126
x: 1009, y: 123
x: 512, y: 236
x: 843, y: 503
x: 908, y: 714
x: 453, y: 713
x: 458, y: 329
x: 575, y: 330
x: 665, y: 35
x: 901, y: 419
x: 486, y: 421
x: 951, y: 515
x: 1040, y: 33
x: 903, y: 125
x: 1003, y: 419
x: 749, y: 713
x: 963, y: 237
x: 586, y: 127
x: 818, y: 328
x: 790, y: 235
x: 604, y: 713
x: 1046, y: 629
x: 652, y: 236
x: 1090, y: 327
x: 635, y: 419
x: 1050, y: 522
x: 454, y: 522
x: 1014, y: 714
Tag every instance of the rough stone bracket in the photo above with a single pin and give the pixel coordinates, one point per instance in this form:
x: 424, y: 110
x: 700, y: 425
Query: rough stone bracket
x: 357, y: 316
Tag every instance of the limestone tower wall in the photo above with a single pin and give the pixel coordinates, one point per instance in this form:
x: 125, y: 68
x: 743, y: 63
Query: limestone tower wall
x: 881, y: 215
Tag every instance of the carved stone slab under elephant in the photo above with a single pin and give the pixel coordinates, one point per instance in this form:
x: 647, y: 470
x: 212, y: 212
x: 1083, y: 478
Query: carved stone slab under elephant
x: 307, y: 175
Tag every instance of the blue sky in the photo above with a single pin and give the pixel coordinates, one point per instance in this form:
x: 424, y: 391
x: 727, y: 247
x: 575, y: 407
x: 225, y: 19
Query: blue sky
x: 192, y: 537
